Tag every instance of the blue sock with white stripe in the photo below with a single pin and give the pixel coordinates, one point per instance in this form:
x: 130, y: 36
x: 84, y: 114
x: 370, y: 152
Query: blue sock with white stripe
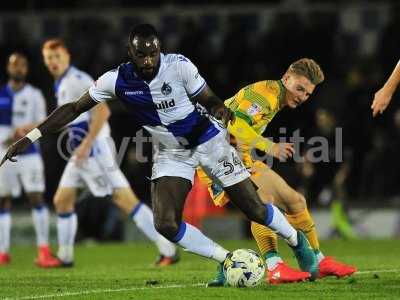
x: 275, y: 220
x: 67, y: 225
x: 143, y: 218
x: 193, y: 240
x: 5, y: 229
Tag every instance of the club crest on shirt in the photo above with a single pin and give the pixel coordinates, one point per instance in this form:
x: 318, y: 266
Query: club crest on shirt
x: 166, y: 89
x: 253, y: 109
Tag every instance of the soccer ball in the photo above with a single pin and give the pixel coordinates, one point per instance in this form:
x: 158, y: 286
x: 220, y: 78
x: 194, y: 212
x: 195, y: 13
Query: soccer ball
x: 243, y: 268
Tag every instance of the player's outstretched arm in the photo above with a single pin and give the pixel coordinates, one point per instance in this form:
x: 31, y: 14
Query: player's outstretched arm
x: 244, y: 133
x: 384, y: 95
x: 100, y: 115
x: 57, y: 120
x: 214, y: 105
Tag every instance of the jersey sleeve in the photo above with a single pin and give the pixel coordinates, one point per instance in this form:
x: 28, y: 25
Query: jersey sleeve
x: 104, y: 87
x: 77, y: 86
x: 241, y: 130
x: 40, y: 112
x: 191, y: 77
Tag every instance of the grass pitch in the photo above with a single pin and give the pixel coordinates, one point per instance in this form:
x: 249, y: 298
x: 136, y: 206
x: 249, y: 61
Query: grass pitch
x: 118, y: 271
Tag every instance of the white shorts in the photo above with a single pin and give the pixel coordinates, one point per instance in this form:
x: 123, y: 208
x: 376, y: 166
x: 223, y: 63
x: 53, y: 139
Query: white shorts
x: 217, y: 157
x: 100, y: 172
x: 26, y: 173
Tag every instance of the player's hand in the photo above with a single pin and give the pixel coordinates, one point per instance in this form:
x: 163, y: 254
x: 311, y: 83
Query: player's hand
x: 82, y: 153
x: 381, y: 101
x: 223, y: 113
x: 15, y: 149
x: 282, y: 151
x: 8, y: 142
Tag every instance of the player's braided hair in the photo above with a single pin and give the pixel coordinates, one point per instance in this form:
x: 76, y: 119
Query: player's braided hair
x: 308, y: 68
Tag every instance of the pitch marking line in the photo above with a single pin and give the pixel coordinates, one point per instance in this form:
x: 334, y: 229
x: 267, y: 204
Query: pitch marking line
x: 81, y: 293
x: 377, y: 271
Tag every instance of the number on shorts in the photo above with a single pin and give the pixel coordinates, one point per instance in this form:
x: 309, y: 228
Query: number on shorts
x: 100, y: 181
x: 228, y: 165
x: 231, y: 167
x: 236, y: 160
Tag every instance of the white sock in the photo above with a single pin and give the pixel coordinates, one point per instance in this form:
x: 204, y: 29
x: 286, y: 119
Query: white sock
x: 320, y: 256
x: 40, y: 216
x: 193, y: 240
x: 273, y: 261
x: 67, y: 225
x: 143, y: 218
x: 277, y: 222
x: 5, y: 228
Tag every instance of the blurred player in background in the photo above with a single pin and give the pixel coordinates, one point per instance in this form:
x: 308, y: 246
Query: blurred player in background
x: 159, y: 92
x: 254, y: 107
x: 22, y: 107
x: 384, y: 95
x: 93, y: 162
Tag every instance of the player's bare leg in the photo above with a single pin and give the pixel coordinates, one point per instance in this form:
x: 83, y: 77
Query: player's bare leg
x: 40, y: 217
x: 142, y: 215
x: 295, y: 206
x: 67, y: 224
x: 5, y: 228
x: 168, y: 197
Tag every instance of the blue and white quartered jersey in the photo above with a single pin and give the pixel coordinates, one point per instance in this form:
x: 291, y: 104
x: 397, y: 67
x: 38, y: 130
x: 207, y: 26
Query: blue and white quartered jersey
x: 20, y: 108
x: 69, y: 87
x: 162, y: 106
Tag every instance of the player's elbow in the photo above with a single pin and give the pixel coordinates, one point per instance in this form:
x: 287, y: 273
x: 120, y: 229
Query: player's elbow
x: 75, y: 108
x: 106, y: 111
x: 102, y: 111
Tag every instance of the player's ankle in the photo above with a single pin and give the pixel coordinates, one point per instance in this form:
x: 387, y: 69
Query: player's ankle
x: 293, y: 240
x: 319, y: 255
x: 44, y: 248
x: 66, y: 254
x: 272, y: 259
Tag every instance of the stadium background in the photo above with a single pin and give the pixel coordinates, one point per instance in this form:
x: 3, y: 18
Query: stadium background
x: 356, y: 43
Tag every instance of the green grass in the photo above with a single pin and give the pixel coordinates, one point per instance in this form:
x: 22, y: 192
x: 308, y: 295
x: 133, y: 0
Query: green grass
x: 116, y: 271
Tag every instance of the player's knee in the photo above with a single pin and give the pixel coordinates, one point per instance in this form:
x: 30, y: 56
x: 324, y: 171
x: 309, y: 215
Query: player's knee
x: 57, y: 200
x: 35, y: 199
x: 257, y: 214
x: 168, y: 229
x: 5, y: 203
x: 296, y: 204
x: 125, y: 200
x: 62, y: 204
x: 302, y: 200
x: 117, y: 200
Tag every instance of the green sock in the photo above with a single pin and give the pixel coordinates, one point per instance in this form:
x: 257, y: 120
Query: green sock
x: 319, y: 255
x: 341, y: 221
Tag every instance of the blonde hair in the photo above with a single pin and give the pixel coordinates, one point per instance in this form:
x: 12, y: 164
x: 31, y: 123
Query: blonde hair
x: 308, y: 68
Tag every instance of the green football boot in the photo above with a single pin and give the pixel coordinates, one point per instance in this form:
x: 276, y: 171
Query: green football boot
x: 219, y: 279
x: 305, y: 256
